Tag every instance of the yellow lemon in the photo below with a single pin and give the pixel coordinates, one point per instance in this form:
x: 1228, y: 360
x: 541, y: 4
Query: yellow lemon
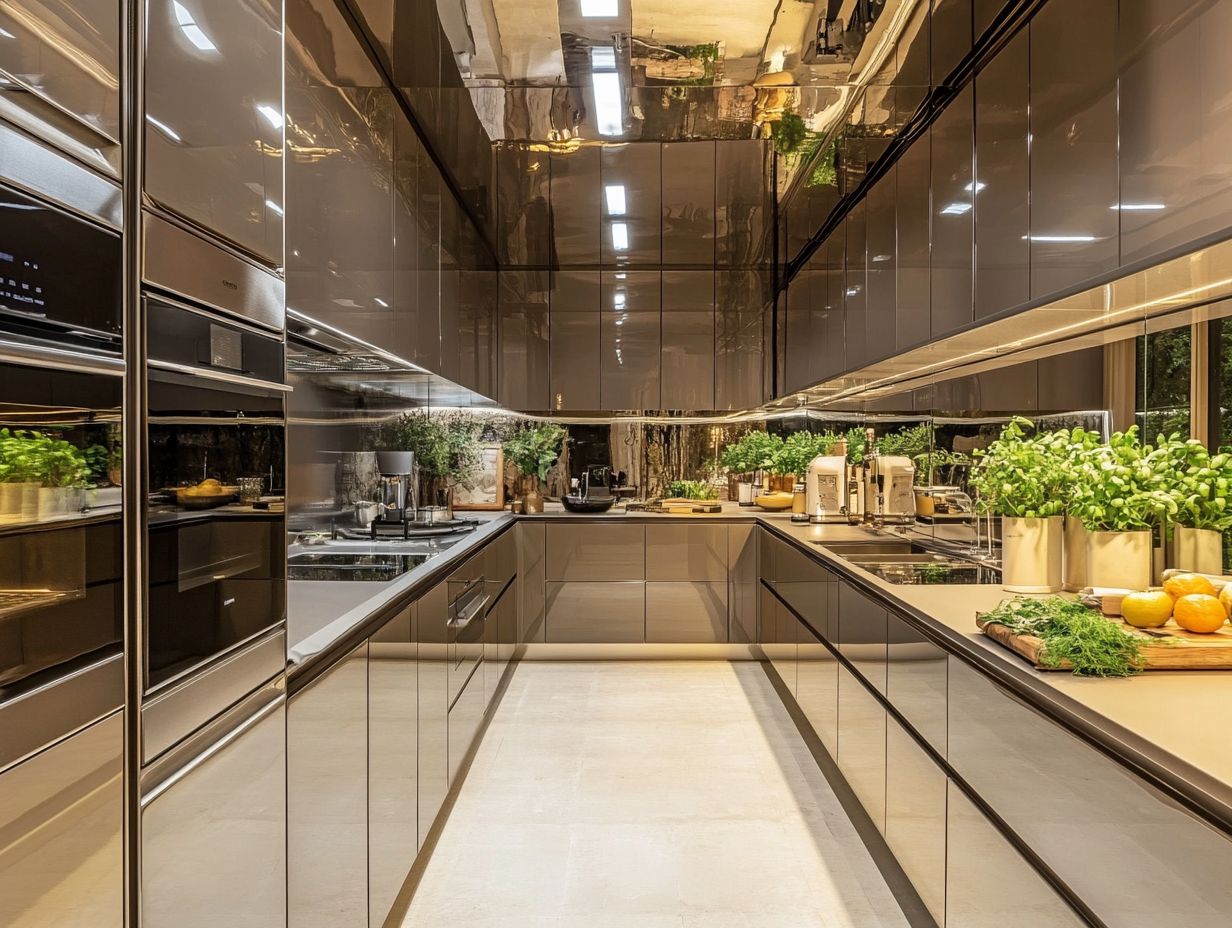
x: 1147, y: 610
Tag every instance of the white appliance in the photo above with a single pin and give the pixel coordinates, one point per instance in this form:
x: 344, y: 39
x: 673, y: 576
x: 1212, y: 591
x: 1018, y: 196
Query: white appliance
x: 826, y: 489
x: 890, y: 490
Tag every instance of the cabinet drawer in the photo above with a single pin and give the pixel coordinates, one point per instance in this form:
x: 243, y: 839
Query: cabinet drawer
x: 596, y: 552
x: 1088, y: 818
x: 817, y: 687
x: 806, y: 586
x: 742, y: 590
x: 532, y: 564
x: 915, y: 816
x: 686, y: 552
x: 863, y: 634
x: 862, y: 745
x: 989, y: 883
x: 465, y: 717
x: 916, y: 681
x: 596, y: 612
x: 686, y: 612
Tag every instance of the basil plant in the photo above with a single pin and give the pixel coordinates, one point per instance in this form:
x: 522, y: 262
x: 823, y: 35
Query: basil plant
x: 1198, y: 482
x: 1123, y: 486
x: 1022, y: 475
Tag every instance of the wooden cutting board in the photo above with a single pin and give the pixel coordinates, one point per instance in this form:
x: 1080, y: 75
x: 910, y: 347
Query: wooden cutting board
x: 1171, y: 647
x: 680, y: 505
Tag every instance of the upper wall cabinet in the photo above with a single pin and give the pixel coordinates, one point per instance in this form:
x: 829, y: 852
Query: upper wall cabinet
x: 741, y: 295
x: 523, y: 339
x: 881, y: 267
x: 688, y: 203
x: 630, y: 323
x: 340, y: 228
x: 631, y: 208
x: 1073, y: 144
x: 798, y: 349
x: 68, y: 53
x: 575, y: 340
x: 523, y: 211
x: 951, y: 36
x: 952, y: 227
x: 855, y: 291
x: 1176, y: 126
x: 1002, y: 182
x: 687, y: 353
x: 214, y: 118
x: 911, y: 208
x: 576, y: 206
x: 742, y: 205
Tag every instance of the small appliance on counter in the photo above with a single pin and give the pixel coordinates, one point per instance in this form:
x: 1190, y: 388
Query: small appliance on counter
x: 396, y: 481
x: 592, y: 493
x: 891, y: 481
x: 825, y: 489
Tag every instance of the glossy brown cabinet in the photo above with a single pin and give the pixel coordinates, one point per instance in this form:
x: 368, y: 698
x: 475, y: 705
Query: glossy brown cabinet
x: 630, y: 338
x: 881, y: 267
x: 862, y: 745
x: 953, y: 226
x: 632, y: 235
x: 913, y: 290
x: 686, y: 612
x: 585, y: 551
x: 915, y: 826
x: 696, y: 552
x: 743, y: 585
x: 531, y: 540
x: 605, y: 612
x: 855, y: 289
x: 523, y: 338
x: 687, y: 349
x: 575, y: 340
x: 576, y: 206
x: 688, y: 198
x: 862, y: 635
x: 741, y: 306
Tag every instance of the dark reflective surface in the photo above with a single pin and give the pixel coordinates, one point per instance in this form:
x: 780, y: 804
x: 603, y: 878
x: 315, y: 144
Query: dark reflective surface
x: 952, y: 215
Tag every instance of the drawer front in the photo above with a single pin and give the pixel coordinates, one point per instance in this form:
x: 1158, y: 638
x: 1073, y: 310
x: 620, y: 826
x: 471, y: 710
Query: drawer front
x: 817, y: 687
x: 1089, y: 819
x: 863, y: 634
x: 596, y: 612
x: 862, y: 745
x: 989, y: 883
x: 596, y: 552
x: 500, y: 562
x: 532, y: 573
x: 915, y: 816
x: 465, y: 717
x: 686, y: 552
x: 742, y: 593
x: 806, y: 586
x: 916, y: 679
x: 686, y: 612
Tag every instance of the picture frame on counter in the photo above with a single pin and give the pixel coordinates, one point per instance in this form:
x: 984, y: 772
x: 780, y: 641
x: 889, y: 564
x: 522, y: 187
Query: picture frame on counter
x: 485, y: 489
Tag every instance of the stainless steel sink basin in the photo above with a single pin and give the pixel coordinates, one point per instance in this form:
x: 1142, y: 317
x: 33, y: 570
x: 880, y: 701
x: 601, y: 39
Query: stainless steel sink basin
x: 913, y: 557
x: 905, y: 562
x: 848, y: 549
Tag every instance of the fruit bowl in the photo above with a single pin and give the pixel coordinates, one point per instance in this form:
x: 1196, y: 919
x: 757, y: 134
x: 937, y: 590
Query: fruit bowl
x: 205, y: 497
x: 774, y: 502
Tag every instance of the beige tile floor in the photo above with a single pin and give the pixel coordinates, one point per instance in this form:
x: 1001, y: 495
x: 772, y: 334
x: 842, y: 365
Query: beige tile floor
x: 648, y: 795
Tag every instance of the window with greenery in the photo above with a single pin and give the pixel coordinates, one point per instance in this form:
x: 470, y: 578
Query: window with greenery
x: 1220, y: 395
x: 1164, y: 369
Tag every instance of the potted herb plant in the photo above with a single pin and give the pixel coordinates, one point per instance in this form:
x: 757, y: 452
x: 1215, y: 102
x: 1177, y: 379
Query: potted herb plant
x: 1080, y: 443
x: 1018, y: 477
x: 444, y: 448
x: 18, y: 477
x: 533, y: 450
x: 1120, y: 495
x: 735, y: 459
x: 1199, y: 485
x: 755, y: 457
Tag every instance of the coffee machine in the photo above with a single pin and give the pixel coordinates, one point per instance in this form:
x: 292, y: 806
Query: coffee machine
x: 397, y: 482
x: 890, y: 491
x: 826, y: 489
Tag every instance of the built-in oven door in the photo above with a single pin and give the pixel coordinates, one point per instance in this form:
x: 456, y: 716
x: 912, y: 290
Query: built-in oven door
x: 216, y: 464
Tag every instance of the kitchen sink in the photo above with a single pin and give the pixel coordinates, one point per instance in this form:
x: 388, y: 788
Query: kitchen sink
x: 905, y: 562
x: 327, y: 564
x: 847, y: 549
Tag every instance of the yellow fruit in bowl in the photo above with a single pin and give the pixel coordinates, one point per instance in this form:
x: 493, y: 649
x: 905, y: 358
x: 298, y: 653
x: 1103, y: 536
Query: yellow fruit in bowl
x: 1200, y: 612
x: 1147, y: 610
x: 1225, y: 597
x: 1184, y: 584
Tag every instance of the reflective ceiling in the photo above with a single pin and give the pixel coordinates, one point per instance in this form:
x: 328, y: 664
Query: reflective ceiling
x: 619, y: 70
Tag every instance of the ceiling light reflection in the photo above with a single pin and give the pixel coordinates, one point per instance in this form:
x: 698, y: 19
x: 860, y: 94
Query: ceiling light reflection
x: 1137, y: 207
x: 272, y: 114
x: 274, y: 207
x: 193, y: 32
x: 1061, y: 239
x: 164, y: 128
x: 620, y: 236
x: 615, y: 194
x: 600, y: 9
x: 956, y: 209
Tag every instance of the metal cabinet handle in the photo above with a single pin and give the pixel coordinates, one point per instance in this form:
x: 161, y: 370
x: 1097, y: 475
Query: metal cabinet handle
x: 465, y: 616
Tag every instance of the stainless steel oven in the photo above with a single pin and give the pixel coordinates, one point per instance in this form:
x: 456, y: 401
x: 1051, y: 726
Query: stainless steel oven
x: 216, y: 465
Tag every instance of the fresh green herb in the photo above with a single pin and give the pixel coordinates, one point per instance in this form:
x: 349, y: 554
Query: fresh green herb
x: 1198, y: 482
x: 754, y: 451
x: 798, y: 451
x: 908, y: 443
x: 535, y: 448
x: 37, y: 457
x: 691, y: 489
x: 1120, y: 486
x: 1092, y: 645
x: 446, y: 446
x: 1020, y: 475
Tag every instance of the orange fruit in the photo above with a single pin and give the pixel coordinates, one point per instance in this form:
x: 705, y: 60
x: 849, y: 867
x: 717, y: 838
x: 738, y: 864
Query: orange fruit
x: 1225, y: 597
x: 1184, y: 584
x: 1198, y: 612
x: 1146, y: 610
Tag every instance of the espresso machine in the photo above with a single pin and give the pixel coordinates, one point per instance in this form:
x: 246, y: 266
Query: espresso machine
x: 826, y: 489
x: 397, y: 482
x: 889, y: 494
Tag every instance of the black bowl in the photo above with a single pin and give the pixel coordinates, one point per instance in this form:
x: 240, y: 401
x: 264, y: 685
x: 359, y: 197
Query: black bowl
x: 578, y: 504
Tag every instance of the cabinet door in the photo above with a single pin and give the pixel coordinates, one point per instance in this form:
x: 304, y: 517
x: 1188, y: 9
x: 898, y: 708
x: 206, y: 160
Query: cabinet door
x: 632, y: 220
x: 581, y: 551
x: 576, y: 205
x: 742, y: 590
x: 214, y: 132
x: 596, y: 612
x: 1087, y: 817
x: 686, y: 612
x: 855, y: 292
x: 741, y: 297
x: 465, y: 718
x: 882, y: 267
x: 523, y: 337
x: 393, y: 762
x: 862, y: 745
x: 433, y: 704
x: 817, y: 687
x: 688, y: 204
x: 574, y: 354
x: 953, y: 227
x: 686, y: 552
x: 863, y: 635
x: 782, y: 646
x: 916, y: 679
x: 915, y: 816
x: 63, y: 810
x: 912, y: 205
x: 327, y: 798
x: 687, y: 352
x: 214, y: 840
x: 532, y: 564
x: 630, y: 339
x: 951, y: 31
x: 988, y: 882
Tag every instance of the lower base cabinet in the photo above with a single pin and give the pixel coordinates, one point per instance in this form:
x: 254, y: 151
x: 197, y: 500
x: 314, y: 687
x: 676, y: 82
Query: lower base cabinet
x: 465, y: 718
x: 686, y: 612
x: 915, y: 816
x: 862, y: 745
x: 585, y: 611
x: 988, y: 883
x: 817, y: 688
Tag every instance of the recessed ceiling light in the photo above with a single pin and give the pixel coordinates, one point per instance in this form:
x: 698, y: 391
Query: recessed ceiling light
x: 600, y: 9
x: 615, y: 194
x: 163, y: 128
x: 609, y: 102
x: 193, y: 32
x: 272, y: 114
x: 620, y: 236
